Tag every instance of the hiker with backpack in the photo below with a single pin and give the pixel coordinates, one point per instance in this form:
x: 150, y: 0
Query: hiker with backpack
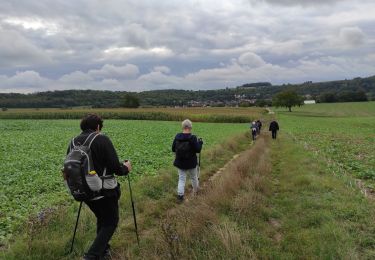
x: 253, y: 129
x: 186, y: 146
x: 89, y: 170
x: 274, y: 127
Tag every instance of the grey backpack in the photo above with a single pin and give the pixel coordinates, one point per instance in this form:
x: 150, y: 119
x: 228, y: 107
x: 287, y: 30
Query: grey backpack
x: 82, y: 180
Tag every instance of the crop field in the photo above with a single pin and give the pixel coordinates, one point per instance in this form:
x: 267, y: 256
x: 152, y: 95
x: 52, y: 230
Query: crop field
x: 350, y: 109
x: 206, y: 114
x: 343, y: 133
x: 32, y: 153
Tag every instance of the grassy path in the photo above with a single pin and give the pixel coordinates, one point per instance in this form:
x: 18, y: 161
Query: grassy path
x: 274, y: 201
x: 318, y: 214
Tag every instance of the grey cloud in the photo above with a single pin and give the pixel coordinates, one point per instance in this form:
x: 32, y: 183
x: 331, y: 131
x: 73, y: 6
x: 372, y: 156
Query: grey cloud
x: 17, y: 51
x: 352, y: 36
x: 136, y: 35
x: 170, y: 43
x: 162, y: 69
x: 298, y: 2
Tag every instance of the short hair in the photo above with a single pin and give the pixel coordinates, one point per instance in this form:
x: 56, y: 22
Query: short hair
x: 187, y: 124
x: 91, y: 121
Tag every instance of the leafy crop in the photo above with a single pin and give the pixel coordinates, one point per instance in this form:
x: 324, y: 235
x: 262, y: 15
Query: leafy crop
x: 32, y: 153
x: 341, y: 137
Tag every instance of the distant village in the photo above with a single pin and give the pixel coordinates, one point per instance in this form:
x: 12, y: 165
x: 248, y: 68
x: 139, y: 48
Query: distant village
x: 241, y: 101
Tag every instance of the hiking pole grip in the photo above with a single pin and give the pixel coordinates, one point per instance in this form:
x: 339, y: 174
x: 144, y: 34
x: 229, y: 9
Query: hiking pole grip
x: 133, y: 207
x: 75, y: 228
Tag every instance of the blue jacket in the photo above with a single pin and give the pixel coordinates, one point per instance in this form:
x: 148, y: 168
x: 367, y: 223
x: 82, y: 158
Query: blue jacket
x: 196, y: 147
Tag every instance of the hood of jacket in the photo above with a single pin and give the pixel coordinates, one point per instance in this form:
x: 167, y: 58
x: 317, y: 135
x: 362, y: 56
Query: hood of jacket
x: 182, y: 136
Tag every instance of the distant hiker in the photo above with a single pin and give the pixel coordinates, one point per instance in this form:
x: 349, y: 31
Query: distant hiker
x: 186, y: 146
x: 259, y: 125
x: 253, y: 129
x: 105, y: 163
x: 274, y: 127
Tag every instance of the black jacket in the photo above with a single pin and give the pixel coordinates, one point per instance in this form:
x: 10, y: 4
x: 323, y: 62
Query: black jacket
x: 196, y: 147
x: 103, y: 156
x: 274, y: 126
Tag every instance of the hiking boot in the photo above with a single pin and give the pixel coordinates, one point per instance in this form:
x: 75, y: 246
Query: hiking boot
x: 180, y: 198
x: 107, y: 253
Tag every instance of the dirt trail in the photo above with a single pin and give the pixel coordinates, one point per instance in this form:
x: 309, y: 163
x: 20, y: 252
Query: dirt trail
x: 196, y: 209
x: 367, y: 192
x: 207, y: 183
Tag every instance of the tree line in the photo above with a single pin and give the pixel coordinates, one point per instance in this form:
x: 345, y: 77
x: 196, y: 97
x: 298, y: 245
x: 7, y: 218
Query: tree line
x: 261, y: 93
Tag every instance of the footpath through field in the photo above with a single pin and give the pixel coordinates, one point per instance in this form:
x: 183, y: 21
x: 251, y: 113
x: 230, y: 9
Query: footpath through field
x: 202, y: 226
x: 275, y: 200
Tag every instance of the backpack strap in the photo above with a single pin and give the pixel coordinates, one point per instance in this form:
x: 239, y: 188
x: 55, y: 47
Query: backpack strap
x: 105, y: 176
x: 71, y: 146
x: 93, y: 139
x: 88, y: 137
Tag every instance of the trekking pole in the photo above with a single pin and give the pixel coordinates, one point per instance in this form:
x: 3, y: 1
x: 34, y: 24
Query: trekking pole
x: 199, y: 160
x: 75, y: 228
x: 134, y: 217
x: 199, y: 164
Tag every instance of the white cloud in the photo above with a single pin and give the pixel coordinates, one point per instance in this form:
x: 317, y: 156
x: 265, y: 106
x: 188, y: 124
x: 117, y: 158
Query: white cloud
x: 76, y: 77
x: 113, y: 72
x: 130, y: 52
x: 23, y: 81
x: 33, y: 23
x: 251, y: 59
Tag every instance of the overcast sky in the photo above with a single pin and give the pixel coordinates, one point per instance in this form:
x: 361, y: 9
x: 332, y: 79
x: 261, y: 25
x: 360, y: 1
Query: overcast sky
x: 208, y: 44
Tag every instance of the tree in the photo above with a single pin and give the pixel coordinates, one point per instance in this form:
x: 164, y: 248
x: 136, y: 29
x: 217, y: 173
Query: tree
x: 130, y: 101
x: 287, y: 98
x: 327, y: 97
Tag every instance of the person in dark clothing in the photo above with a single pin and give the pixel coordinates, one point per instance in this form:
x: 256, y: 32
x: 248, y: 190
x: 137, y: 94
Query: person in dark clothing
x: 259, y: 125
x: 106, y: 163
x: 274, y: 127
x: 186, y: 146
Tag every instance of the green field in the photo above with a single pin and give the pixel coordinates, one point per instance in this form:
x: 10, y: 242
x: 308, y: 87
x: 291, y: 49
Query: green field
x: 296, y: 197
x: 350, y: 109
x: 33, y: 151
x: 344, y: 134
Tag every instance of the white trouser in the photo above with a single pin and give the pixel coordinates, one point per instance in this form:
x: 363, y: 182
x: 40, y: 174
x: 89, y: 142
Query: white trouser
x: 182, y: 179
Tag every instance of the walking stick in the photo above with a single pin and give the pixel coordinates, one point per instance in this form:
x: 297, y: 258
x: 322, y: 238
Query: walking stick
x: 199, y: 165
x: 199, y: 160
x: 75, y: 228
x: 134, y: 217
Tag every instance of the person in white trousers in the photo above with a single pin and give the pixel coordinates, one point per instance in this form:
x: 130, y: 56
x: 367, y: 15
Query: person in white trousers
x: 186, y: 146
